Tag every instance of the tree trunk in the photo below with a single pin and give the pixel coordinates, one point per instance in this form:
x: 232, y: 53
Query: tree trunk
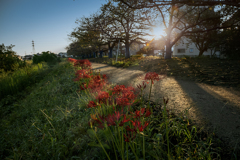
x: 200, y: 53
x: 121, y: 48
x: 127, y: 55
x: 110, y: 52
x: 101, y: 54
x: 168, y: 54
x: 127, y: 45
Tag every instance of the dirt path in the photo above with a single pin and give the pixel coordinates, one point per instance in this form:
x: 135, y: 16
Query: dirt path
x: 218, y: 107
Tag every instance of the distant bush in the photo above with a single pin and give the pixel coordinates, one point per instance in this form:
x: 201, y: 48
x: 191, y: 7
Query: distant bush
x: 46, y: 57
x: 9, y: 60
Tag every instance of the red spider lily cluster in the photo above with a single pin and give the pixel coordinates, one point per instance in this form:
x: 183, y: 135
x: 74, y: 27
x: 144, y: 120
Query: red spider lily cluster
x: 80, y: 63
x: 94, y: 83
x: 85, y: 76
x: 120, y: 95
x: 130, y: 122
x: 118, y: 98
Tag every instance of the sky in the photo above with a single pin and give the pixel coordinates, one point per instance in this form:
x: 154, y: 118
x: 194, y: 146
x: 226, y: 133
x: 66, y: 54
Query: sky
x: 47, y: 22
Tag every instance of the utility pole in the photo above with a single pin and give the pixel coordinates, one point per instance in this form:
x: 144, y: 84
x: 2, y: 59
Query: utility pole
x: 33, y: 49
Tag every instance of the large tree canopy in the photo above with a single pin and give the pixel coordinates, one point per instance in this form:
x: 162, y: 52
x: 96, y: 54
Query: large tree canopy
x: 130, y: 24
x: 174, y: 12
x: 115, y: 22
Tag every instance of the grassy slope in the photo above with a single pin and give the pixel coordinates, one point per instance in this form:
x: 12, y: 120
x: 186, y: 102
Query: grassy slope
x: 48, y: 123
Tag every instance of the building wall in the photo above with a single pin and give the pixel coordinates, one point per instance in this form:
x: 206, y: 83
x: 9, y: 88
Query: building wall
x: 182, y: 49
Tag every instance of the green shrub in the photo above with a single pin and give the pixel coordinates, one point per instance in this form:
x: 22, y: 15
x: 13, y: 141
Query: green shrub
x: 9, y: 60
x: 46, y: 57
x: 13, y: 82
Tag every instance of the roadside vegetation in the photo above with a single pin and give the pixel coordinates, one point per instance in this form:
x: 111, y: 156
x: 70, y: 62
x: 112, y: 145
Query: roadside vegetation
x: 47, y: 57
x: 9, y: 60
x: 121, y: 61
x: 14, y: 81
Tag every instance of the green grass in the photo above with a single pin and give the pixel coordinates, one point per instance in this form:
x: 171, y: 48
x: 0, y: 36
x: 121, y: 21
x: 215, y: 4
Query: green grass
x: 13, y: 82
x: 49, y: 123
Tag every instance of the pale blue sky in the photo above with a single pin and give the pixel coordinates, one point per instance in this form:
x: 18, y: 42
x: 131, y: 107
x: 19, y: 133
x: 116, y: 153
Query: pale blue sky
x: 47, y: 22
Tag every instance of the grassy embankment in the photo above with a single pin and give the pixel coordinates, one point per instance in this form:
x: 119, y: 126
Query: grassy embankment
x: 46, y: 121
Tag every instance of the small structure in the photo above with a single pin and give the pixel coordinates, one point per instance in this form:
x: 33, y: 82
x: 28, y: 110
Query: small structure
x: 62, y: 54
x: 27, y: 57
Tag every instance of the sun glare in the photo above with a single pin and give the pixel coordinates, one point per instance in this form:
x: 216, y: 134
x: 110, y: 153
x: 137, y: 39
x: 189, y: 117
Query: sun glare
x: 157, y: 32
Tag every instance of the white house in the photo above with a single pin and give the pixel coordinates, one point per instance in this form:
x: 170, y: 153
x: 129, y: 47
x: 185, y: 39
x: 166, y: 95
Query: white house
x: 185, y: 48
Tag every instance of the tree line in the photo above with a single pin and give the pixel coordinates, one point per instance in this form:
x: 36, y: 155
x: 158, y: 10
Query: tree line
x: 209, y: 24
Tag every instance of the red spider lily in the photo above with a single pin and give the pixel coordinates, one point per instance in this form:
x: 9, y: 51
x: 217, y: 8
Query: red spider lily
x: 83, y: 86
x: 148, y: 113
x: 122, y: 101
x: 96, y: 83
x: 92, y: 104
x: 95, y: 120
x: 140, y: 113
x: 113, y: 118
x: 123, y: 121
x: 110, y: 120
x: 137, y: 114
x: 137, y: 125
x: 82, y: 63
x: 118, y: 89
x: 165, y: 101
x: 143, y: 86
x: 125, y: 96
x: 117, y: 115
x: 130, y: 129
x: 104, y: 76
x: 82, y: 74
x: 131, y: 134
x: 72, y: 60
x: 152, y: 76
x: 102, y: 97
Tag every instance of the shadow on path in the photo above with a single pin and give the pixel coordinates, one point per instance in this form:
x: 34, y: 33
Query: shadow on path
x: 215, y: 106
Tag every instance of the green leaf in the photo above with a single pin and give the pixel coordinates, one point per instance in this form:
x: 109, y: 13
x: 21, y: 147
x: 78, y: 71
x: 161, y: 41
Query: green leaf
x: 98, y: 145
x: 91, y: 133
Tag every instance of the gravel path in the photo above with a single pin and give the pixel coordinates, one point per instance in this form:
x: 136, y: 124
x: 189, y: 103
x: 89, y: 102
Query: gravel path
x: 218, y: 107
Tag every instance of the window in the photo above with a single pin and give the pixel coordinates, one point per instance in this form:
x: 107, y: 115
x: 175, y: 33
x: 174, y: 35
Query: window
x: 181, y: 51
x: 191, y: 50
